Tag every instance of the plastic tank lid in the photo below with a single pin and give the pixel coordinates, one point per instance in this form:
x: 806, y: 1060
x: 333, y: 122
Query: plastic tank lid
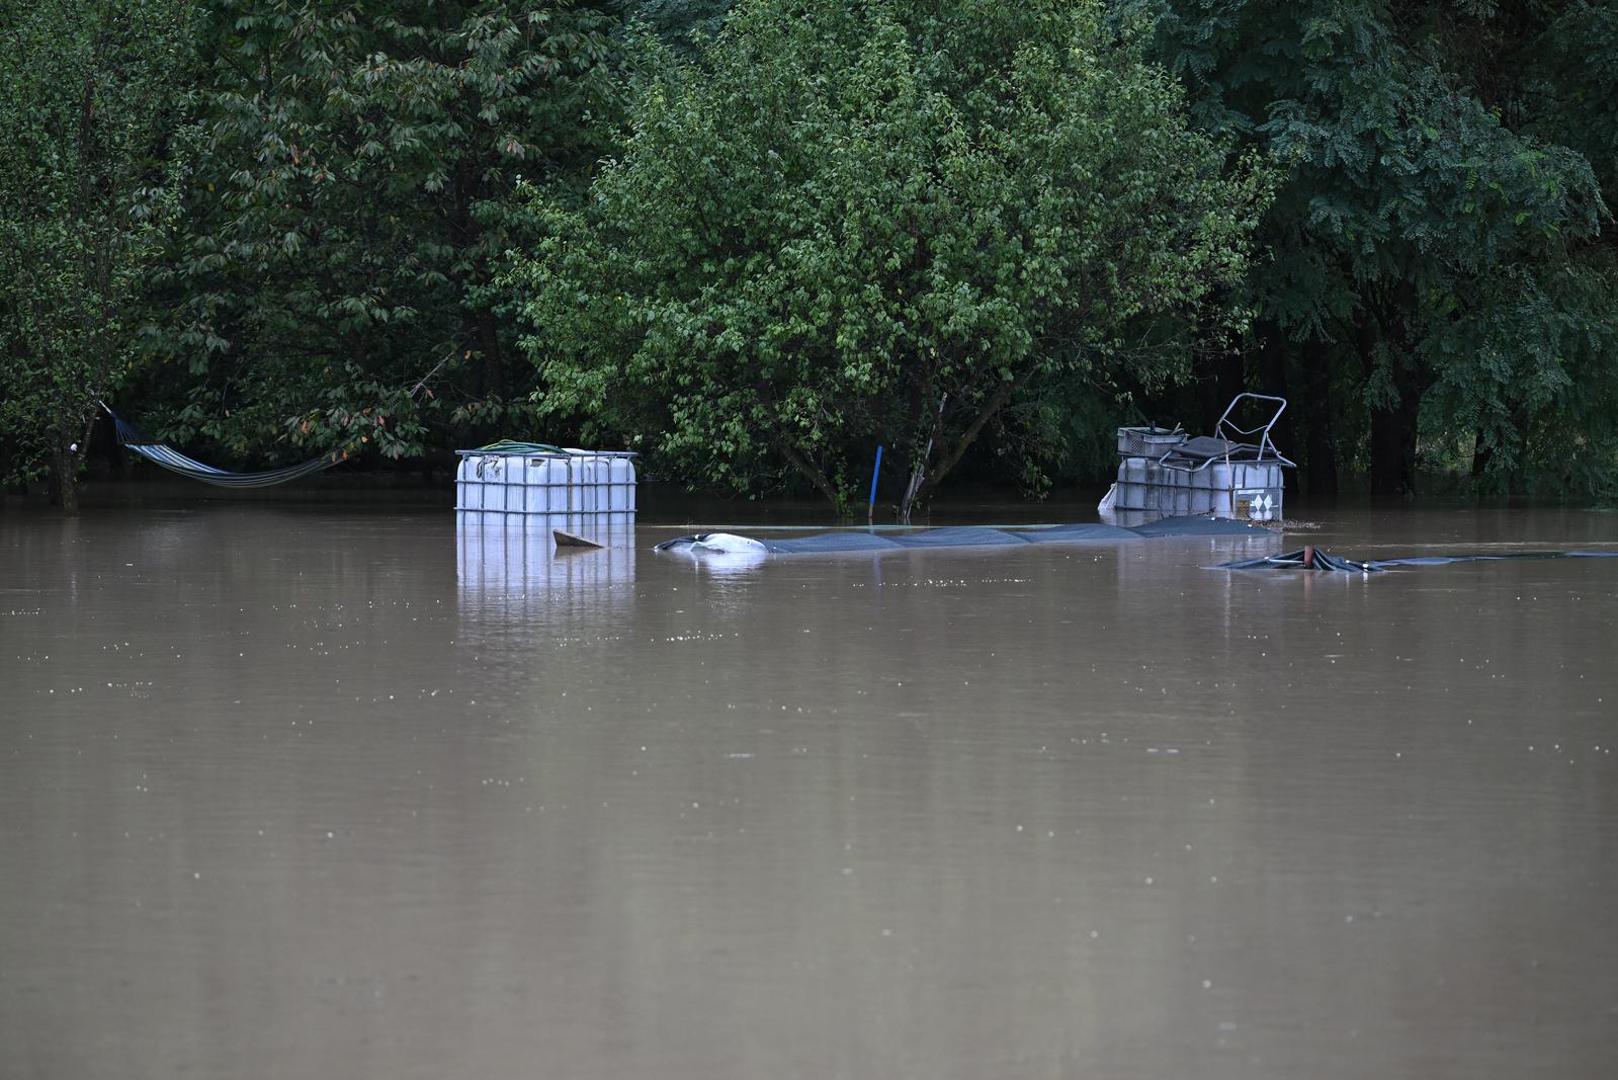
x: 559, y: 452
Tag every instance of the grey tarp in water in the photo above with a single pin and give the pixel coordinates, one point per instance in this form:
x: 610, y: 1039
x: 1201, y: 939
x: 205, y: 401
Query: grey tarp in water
x: 1325, y: 560
x: 853, y: 541
x: 956, y: 536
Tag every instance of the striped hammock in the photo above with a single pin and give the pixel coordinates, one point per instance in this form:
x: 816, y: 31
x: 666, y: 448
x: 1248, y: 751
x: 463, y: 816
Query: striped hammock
x: 174, y: 461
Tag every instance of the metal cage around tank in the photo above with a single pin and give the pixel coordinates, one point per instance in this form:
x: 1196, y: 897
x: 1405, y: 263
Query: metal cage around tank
x: 566, y: 483
x: 1166, y: 472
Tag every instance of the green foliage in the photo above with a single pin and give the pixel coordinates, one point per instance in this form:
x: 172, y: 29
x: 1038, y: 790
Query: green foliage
x: 682, y: 24
x: 1570, y: 85
x: 1526, y: 394
x: 977, y: 232
x: 361, y: 161
x: 851, y: 223
x: 96, y: 144
x: 1427, y: 243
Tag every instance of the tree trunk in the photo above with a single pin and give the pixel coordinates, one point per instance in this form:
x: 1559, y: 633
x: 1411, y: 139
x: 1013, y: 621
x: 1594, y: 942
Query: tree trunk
x: 462, y: 235
x: 807, y: 469
x: 1385, y: 324
x: 918, y: 468
x: 493, y: 362
x: 1393, y: 442
x: 1482, y: 454
x: 65, y: 474
x: 1320, y: 444
x: 104, y: 434
x: 997, y: 401
x: 907, y: 502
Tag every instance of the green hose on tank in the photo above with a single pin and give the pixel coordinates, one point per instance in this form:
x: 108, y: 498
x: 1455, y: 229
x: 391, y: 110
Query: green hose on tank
x: 516, y: 447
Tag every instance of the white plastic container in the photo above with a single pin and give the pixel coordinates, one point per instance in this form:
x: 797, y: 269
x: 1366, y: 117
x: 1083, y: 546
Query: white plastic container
x: 1245, y: 490
x: 573, y: 482
x: 1147, y: 442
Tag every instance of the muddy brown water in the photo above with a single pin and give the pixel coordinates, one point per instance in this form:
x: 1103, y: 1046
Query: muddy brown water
x: 319, y: 793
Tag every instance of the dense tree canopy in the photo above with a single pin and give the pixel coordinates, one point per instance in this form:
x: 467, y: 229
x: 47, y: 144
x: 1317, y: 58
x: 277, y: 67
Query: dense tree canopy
x: 1433, y: 262
x: 759, y: 241
x: 90, y: 166
x: 359, y: 168
x: 860, y: 223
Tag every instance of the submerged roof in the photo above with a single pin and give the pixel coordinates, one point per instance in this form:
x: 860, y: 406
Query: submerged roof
x: 959, y: 536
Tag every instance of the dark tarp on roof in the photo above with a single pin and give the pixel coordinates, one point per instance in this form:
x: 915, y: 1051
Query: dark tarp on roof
x: 1206, y: 447
x: 1325, y: 560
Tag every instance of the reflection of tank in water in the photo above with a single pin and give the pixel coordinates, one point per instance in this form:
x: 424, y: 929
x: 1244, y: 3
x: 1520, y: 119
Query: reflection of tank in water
x: 1144, y: 568
x: 1164, y: 472
x: 513, y: 568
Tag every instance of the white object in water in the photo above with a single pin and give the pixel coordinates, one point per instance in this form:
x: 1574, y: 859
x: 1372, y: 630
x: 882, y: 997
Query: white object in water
x: 726, y: 553
x: 729, y: 544
x: 1109, y: 501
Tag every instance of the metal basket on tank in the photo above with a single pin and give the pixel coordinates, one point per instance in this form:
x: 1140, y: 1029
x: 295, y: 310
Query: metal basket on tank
x: 1148, y: 442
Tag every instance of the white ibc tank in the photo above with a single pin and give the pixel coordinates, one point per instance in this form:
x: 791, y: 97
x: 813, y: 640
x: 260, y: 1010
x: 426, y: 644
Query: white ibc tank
x: 583, y: 482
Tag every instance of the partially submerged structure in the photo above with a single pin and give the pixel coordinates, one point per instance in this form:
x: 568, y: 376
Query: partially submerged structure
x: 1235, y: 473
x: 1313, y: 558
x: 517, y: 481
x: 870, y: 542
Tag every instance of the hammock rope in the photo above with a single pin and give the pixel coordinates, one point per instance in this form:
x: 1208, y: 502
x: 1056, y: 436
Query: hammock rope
x: 131, y: 438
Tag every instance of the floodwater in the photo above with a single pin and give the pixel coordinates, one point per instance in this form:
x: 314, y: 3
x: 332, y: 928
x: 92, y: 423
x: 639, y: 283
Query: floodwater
x: 325, y: 794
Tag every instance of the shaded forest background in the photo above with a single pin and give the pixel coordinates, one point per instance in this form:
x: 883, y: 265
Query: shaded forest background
x: 753, y: 244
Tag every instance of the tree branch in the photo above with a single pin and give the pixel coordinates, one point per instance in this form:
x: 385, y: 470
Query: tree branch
x: 996, y: 402
x: 808, y: 469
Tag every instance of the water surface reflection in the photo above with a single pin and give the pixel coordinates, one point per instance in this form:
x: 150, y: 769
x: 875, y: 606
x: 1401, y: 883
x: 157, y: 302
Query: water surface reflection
x: 316, y: 794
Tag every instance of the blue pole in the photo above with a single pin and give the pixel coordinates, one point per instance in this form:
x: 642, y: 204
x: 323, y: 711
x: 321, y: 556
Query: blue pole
x: 870, y: 509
